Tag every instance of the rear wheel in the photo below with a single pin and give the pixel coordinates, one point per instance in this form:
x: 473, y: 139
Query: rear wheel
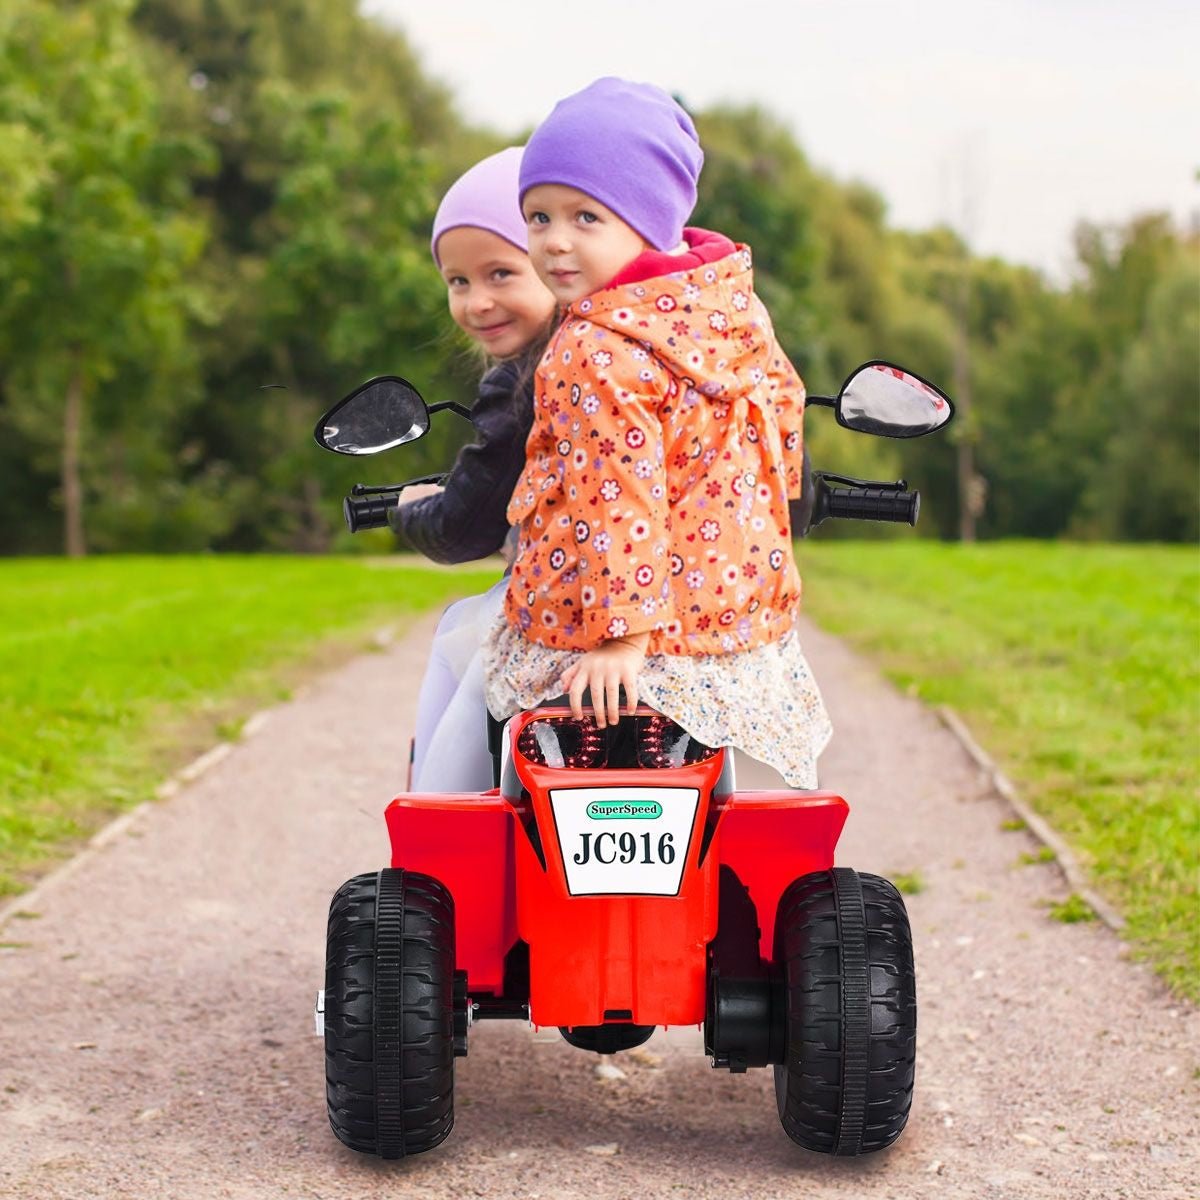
x: 389, y: 1013
x: 843, y: 942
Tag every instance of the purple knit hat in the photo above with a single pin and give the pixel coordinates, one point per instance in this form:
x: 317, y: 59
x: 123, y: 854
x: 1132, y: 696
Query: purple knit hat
x: 628, y: 145
x: 485, y: 197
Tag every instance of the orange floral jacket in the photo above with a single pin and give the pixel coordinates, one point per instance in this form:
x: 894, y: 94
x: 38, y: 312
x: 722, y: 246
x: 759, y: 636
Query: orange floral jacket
x: 666, y: 440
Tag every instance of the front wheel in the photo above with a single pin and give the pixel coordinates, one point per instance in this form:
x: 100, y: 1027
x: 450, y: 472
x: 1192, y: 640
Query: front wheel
x: 844, y: 945
x: 389, y: 1013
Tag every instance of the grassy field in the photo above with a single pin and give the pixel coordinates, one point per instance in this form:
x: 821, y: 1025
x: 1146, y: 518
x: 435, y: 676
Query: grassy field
x: 1078, y: 668
x: 117, y: 670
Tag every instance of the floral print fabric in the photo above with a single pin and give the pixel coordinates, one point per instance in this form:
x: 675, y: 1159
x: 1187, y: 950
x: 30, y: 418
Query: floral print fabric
x: 666, y: 442
x: 764, y: 701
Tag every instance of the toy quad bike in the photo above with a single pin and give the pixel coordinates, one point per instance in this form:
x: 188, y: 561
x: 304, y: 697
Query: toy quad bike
x: 615, y: 880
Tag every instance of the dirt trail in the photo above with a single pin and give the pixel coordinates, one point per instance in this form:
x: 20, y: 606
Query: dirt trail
x: 158, y: 1041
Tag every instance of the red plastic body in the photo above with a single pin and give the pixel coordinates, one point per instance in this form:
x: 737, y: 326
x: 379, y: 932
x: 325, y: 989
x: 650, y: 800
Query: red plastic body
x: 592, y: 955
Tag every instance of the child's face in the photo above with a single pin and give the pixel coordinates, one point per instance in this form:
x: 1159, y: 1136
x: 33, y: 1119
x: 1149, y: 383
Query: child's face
x: 575, y: 243
x: 495, y: 296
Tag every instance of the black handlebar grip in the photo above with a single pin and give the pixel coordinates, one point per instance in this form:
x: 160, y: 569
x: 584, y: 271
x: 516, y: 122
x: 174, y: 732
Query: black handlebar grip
x: 873, y: 504
x: 368, y: 513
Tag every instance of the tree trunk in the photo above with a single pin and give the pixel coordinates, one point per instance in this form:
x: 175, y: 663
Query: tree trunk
x: 967, y: 491
x: 315, y: 537
x: 72, y: 485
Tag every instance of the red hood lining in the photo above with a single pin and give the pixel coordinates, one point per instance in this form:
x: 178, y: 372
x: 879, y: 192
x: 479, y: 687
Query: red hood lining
x: 704, y: 246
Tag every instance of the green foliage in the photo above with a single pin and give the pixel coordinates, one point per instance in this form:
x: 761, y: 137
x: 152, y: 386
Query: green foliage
x: 1079, y: 668
x: 200, y: 197
x: 1146, y: 488
x: 323, y: 126
x: 1042, y: 855
x: 1073, y: 910
x: 758, y: 186
x: 94, y: 262
x: 167, y: 670
x: 346, y: 283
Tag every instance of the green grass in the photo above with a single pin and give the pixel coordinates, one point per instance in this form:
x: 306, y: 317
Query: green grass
x: 1078, y: 668
x: 117, y: 670
x: 1072, y: 910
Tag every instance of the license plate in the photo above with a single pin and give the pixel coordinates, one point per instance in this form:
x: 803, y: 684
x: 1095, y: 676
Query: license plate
x: 629, y: 841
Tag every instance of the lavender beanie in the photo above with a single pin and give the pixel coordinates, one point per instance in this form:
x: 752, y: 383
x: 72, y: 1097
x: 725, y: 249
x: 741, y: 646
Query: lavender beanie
x: 628, y: 145
x: 485, y: 197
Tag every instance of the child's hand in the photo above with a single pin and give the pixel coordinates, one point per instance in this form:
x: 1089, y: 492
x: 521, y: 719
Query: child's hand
x: 612, y: 665
x: 419, y: 491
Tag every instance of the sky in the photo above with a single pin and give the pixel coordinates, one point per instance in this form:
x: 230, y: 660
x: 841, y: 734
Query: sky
x: 1010, y: 121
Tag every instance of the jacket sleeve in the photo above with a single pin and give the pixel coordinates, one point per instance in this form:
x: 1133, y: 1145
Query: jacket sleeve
x: 615, y: 469
x: 800, y: 512
x: 787, y: 391
x: 467, y: 520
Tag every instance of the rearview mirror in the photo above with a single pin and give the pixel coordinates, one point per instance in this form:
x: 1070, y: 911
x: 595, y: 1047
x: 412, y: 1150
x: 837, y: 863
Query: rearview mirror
x: 884, y: 399
x: 384, y: 412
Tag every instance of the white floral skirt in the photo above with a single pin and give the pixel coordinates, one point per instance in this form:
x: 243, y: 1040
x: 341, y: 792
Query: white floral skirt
x: 764, y: 701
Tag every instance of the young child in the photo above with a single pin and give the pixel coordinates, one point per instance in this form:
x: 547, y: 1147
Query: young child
x: 654, y: 547
x: 479, y: 245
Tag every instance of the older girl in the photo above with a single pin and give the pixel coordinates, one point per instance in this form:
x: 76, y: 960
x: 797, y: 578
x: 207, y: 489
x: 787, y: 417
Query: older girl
x: 495, y: 297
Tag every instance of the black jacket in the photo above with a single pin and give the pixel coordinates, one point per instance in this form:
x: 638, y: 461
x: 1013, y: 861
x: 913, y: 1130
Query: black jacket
x: 467, y: 520
x: 801, y: 511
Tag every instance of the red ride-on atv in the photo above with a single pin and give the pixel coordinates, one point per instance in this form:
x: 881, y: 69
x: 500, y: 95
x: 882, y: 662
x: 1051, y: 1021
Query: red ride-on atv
x: 615, y: 881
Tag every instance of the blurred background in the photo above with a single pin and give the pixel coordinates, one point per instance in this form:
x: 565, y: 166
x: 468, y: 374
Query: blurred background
x: 201, y: 197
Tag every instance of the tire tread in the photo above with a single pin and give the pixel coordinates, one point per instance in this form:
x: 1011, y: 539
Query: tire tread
x: 844, y: 942
x: 389, y: 1048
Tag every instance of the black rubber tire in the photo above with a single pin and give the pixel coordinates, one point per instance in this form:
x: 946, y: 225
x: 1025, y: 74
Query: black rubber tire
x: 389, y: 1013
x: 844, y: 945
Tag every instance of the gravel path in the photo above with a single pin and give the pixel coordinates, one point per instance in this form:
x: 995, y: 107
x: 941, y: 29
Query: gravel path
x: 158, y: 1040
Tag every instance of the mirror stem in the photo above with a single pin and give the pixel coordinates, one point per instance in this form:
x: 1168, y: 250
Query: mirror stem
x: 453, y: 406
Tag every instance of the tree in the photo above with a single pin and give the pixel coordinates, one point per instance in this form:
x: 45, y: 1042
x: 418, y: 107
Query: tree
x: 200, y: 197
x: 332, y: 149
x: 94, y: 260
x: 757, y: 187
x: 348, y: 291
x: 1149, y: 485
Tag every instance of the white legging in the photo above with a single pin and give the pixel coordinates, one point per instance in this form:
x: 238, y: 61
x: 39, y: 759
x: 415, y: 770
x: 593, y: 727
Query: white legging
x: 450, y: 752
